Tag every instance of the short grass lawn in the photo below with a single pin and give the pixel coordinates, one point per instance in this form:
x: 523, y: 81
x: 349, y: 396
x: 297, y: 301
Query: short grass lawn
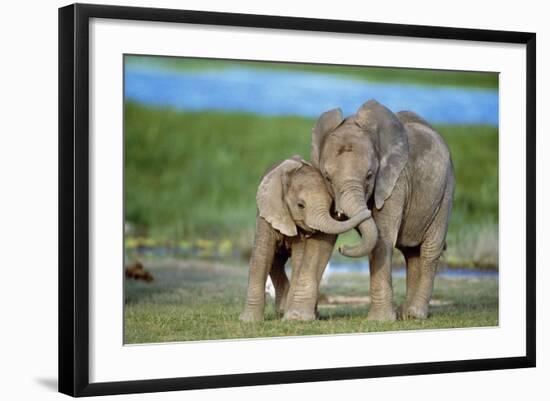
x: 200, y: 300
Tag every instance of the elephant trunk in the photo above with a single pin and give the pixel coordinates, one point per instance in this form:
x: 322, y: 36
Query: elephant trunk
x: 325, y: 223
x: 353, y: 202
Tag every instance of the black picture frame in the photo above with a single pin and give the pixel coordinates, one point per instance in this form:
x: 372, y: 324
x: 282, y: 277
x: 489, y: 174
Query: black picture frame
x: 74, y: 194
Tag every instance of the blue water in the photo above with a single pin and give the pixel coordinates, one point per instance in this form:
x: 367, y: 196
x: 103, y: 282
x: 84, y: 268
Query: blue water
x: 363, y: 268
x: 307, y: 94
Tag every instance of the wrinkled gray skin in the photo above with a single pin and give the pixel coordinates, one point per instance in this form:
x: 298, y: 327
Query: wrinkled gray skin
x: 399, y: 167
x: 293, y: 220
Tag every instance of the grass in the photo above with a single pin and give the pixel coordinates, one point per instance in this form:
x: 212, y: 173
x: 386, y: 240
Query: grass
x: 191, y: 176
x: 376, y: 74
x: 202, y: 301
x: 201, y: 170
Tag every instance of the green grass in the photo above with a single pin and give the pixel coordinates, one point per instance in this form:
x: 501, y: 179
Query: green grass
x: 202, y: 301
x: 192, y: 176
x: 376, y: 74
x: 197, y: 173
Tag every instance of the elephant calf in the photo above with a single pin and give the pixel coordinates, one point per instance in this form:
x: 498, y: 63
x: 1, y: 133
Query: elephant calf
x: 293, y: 221
x: 398, y: 166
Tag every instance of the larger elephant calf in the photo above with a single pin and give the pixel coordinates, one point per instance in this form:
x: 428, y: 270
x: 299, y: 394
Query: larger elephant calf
x: 399, y: 167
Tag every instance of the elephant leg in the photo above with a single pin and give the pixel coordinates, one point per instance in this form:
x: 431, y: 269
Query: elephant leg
x: 381, y: 291
x: 414, y: 266
x: 261, y: 262
x: 298, y: 247
x: 280, y: 281
x: 305, y: 289
x: 430, y: 252
x: 388, y: 221
x: 331, y: 239
x: 417, y: 308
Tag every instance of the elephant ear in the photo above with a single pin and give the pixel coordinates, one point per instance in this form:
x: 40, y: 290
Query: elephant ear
x: 270, y: 197
x: 328, y: 122
x: 299, y: 158
x: 393, y: 146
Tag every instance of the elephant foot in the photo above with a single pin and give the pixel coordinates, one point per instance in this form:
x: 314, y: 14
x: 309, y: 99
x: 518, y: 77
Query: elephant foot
x: 280, y: 307
x: 402, y: 311
x: 249, y: 315
x: 298, y: 314
x: 382, y: 314
x: 413, y: 311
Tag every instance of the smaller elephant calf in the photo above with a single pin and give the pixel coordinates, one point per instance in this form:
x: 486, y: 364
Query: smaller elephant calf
x: 293, y: 221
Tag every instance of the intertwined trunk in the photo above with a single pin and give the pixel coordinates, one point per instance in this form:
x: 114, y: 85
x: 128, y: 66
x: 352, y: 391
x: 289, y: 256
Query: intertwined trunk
x: 352, y: 200
x: 325, y: 223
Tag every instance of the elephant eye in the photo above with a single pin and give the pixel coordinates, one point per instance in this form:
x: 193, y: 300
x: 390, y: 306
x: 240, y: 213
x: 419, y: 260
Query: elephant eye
x: 301, y: 204
x: 369, y: 174
x: 327, y: 178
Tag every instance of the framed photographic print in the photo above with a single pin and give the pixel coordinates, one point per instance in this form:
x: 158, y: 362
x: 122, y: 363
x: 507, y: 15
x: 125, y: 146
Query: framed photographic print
x: 250, y: 199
